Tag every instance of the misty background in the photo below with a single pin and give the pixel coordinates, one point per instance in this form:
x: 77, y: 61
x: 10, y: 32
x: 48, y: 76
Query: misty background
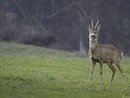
x: 63, y: 24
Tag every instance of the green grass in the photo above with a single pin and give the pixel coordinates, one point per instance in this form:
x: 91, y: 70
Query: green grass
x: 35, y: 72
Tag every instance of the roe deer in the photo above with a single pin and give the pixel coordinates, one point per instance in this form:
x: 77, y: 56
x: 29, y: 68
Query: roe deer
x: 103, y: 53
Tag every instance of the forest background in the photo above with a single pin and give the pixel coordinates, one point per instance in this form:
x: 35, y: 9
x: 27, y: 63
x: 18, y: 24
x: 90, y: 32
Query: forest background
x: 63, y: 24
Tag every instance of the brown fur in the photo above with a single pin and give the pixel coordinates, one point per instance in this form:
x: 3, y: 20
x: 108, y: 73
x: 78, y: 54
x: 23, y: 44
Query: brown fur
x: 103, y: 53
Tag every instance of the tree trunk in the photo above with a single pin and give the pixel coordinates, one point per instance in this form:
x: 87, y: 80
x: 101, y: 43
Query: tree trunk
x: 82, y: 47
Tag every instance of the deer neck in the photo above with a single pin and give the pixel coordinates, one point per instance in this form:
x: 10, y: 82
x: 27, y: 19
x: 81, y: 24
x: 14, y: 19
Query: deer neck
x: 93, y: 44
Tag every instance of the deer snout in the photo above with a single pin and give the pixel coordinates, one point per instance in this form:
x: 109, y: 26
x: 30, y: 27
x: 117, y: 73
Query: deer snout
x: 93, y: 36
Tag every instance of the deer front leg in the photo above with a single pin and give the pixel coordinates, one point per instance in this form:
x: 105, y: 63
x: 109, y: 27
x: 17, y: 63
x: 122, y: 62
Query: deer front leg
x: 101, y: 67
x: 92, y: 70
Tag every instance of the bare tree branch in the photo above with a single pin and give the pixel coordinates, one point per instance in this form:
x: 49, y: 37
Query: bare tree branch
x: 80, y: 10
x: 68, y: 7
x: 96, y: 3
x: 64, y: 9
x: 22, y: 11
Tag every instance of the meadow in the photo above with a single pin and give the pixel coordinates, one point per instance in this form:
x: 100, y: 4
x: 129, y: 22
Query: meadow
x: 35, y: 72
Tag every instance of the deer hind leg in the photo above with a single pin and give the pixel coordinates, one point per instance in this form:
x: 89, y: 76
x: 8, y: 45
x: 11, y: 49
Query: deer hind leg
x: 121, y: 70
x: 92, y: 70
x: 113, y: 70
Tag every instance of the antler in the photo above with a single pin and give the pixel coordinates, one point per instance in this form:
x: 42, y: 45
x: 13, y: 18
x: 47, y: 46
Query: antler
x: 96, y: 26
x: 92, y: 23
x: 97, y: 23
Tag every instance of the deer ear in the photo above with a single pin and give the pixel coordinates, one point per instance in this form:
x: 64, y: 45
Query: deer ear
x: 98, y: 27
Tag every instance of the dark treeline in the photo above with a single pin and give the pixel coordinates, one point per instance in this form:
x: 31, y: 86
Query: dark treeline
x: 62, y: 24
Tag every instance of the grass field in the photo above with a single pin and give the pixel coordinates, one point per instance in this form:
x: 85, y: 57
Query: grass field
x: 35, y: 72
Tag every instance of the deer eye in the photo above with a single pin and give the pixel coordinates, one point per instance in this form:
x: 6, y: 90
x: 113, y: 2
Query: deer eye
x: 95, y: 32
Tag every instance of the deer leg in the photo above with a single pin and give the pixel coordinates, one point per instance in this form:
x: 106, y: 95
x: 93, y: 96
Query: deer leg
x: 92, y: 69
x: 113, y: 71
x: 121, y: 70
x: 101, y: 66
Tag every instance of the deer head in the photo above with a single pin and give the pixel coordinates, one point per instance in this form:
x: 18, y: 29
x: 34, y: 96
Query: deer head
x: 93, y: 30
